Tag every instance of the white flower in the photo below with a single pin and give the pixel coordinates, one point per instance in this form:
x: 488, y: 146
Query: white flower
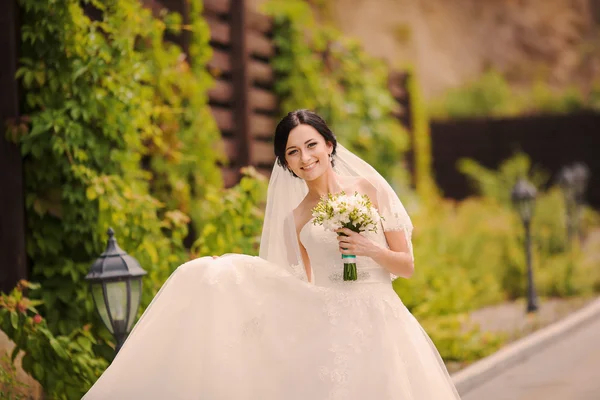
x: 354, y: 211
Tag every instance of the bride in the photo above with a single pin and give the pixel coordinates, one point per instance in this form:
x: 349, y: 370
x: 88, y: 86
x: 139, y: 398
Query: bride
x: 285, y: 325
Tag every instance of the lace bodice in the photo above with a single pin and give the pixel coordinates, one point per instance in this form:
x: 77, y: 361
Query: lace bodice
x: 326, y: 261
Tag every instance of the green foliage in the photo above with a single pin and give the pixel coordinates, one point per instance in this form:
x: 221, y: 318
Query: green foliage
x: 424, y: 182
x: 459, y: 253
x: 321, y: 70
x: 455, y: 343
x: 470, y: 254
x: 182, y: 151
x: 491, y: 95
x: 232, y: 218
x: 544, y: 99
x: 498, y: 184
x: 104, y: 98
x: 549, y: 224
x: 559, y: 273
x: 65, y: 365
x: 119, y: 134
x: 594, y: 96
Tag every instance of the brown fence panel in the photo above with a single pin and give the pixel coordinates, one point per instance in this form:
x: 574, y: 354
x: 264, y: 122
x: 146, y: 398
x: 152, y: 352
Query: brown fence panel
x: 221, y: 92
x: 220, y: 31
x: 263, y: 103
x: 262, y: 100
x: 261, y: 73
x: 225, y: 120
x: 220, y: 64
x: 217, y: 7
x: 13, y: 265
x: 242, y: 100
x: 550, y: 141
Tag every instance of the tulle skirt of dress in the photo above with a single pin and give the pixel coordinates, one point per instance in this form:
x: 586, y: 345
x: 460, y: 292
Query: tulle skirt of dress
x: 239, y: 327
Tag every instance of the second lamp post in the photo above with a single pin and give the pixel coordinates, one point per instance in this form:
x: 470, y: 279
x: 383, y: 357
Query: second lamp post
x: 573, y: 181
x: 523, y: 197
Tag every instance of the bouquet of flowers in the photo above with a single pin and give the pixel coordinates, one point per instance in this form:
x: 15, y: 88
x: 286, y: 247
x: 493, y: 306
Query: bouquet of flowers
x: 355, y: 212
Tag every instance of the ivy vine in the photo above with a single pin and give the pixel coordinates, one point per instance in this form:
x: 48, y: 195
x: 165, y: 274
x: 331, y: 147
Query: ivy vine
x: 118, y: 134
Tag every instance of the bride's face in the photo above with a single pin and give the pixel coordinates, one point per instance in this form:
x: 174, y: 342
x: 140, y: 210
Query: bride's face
x: 307, y: 152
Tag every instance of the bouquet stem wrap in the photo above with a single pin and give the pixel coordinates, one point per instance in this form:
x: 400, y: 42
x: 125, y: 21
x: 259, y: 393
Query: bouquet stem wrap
x: 350, y: 273
x: 349, y: 267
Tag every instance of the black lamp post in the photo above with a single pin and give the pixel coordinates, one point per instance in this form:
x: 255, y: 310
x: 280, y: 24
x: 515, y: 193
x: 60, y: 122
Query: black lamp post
x: 580, y: 180
x: 573, y: 181
x: 116, y: 284
x: 566, y: 180
x: 523, y: 197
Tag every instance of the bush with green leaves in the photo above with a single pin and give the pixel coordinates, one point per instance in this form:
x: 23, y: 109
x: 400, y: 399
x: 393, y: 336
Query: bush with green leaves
x: 498, y: 184
x: 116, y: 132
x: 120, y: 134
x: 458, y: 261
x: 491, y: 95
x: 549, y: 223
x: 232, y: 218
x: 65, y: 365
x: 470, y: 254
x: 457, y: 340
x: 421, y: 146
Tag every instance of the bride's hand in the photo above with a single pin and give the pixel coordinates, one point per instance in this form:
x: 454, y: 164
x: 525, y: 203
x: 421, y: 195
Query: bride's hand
x: 355, y: 243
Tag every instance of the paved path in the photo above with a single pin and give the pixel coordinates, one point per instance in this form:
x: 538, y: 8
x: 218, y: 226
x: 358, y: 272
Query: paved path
x: 566, y: 370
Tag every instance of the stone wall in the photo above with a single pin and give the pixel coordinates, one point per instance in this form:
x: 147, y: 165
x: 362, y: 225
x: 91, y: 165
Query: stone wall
x: 34, y: 390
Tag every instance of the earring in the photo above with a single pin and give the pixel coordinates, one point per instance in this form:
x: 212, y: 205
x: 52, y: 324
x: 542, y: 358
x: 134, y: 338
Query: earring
x: 330, y: 157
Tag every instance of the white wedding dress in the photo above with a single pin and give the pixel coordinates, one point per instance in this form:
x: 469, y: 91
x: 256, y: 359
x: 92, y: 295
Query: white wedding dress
x: 240, y: 327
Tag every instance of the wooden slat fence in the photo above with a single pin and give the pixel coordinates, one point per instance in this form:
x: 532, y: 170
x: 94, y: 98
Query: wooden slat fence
x: 242, y: 100
x: 551, y: 141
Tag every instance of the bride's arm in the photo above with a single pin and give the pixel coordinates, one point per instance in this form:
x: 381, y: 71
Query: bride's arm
x: 397, y: 259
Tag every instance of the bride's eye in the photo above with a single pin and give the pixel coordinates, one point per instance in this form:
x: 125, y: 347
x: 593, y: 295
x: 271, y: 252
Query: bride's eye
x: 291, y: 153
x: 311, y: 145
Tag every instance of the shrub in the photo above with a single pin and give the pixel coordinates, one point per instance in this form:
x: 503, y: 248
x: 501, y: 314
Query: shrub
x: 114, y: 114
x: 65, y: 365
x: 232, y: 218
x: 491, y: 95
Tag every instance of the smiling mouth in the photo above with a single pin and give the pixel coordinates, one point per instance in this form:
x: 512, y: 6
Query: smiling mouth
x: 310, y: 166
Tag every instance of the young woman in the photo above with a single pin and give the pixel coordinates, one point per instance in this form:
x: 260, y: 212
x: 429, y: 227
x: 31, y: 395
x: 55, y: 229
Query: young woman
x: 286, y: 325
